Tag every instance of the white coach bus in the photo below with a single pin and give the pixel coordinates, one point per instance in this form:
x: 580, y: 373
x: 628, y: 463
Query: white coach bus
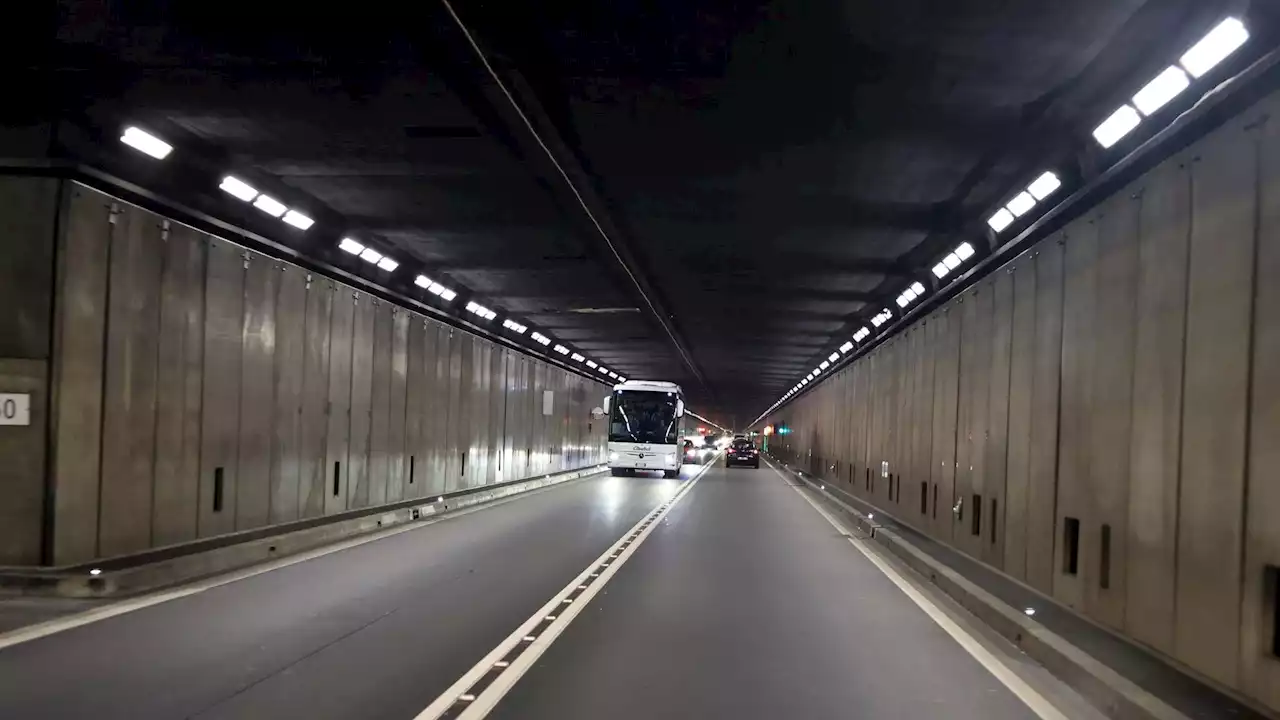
x: 646, y: 421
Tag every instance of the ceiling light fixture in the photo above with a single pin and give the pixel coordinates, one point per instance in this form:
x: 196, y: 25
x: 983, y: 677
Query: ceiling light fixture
x: 388, y: 264
x: 541, y: 339
x: 145, y: 142
x: 371, y: 255
x: 298, y: 220
x: 824, y: 364
x: 964, y: 251
x: 952, y: 261
x: 270, y: 205
x: 238, y: 188
x: 1214, y: 47
x: 845, y: 348
x: 1121, y: 123
x: 482, y: 311
x: 353, y: 247
x: 1000, y: 220
x: 833, y: 357
x: 1165, y: 87
x: 1044, y: 186
x: 1021, y: 203
x: 514, y: 326
x: 917, y: 288
x: 576, y: 357
x: 593, y: 364
x: 561, y: 349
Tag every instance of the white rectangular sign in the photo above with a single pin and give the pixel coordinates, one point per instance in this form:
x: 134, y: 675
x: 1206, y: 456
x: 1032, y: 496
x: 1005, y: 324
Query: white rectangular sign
x: 15, y: 409
x: 548, y: 401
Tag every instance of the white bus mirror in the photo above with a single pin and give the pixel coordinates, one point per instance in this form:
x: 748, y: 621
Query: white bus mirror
x: 679, y: 408
x: 604, y: 407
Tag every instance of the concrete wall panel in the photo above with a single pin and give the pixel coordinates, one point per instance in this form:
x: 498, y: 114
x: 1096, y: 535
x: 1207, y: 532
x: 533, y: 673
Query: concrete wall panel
x: 397, y: 455
x: 1215, y: 396
x: 1157, y: 404
x: 1021, y: 374
x: 1112, y: 404
x: 28, y: 211
x: 357, y: 480
x: 315, y: 397
x: 257, y: 392
x: 180, y: 371
x: 996, y: 445
x: 220, y: 409
x: 1042, y: 493
x: 337, y: 469
x: 380, y: 405
x: 83, y: 259
x: 129, y: 392
x: 1260, y: 602
x: 286, y: 460
x: 415, y: 395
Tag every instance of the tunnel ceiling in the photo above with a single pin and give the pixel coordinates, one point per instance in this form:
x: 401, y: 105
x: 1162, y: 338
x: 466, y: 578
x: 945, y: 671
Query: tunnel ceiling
x: 768, y: 175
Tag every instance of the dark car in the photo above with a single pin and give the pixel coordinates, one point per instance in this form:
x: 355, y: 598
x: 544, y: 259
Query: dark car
x: 742, y: 452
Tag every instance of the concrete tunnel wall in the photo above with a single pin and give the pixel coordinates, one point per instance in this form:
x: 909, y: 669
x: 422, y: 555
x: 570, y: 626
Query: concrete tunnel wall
x: 1103, y: 413
x: 199, y: 388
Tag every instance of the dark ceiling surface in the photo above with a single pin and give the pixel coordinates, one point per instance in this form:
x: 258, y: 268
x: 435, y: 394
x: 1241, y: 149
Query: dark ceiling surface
x: 711, y: 193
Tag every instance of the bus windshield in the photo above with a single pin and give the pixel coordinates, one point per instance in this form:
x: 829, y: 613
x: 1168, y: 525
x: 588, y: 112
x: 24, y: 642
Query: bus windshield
x: 643, y: 417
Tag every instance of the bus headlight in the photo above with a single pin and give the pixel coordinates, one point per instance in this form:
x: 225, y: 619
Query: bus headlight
x: 613, y: 456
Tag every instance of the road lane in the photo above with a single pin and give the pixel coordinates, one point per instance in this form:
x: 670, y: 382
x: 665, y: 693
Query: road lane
x: 747, y: 604
x: 375, y: 631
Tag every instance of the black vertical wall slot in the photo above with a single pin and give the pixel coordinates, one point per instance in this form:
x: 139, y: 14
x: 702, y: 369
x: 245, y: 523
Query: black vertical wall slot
x: 935, y: 502
x: 217, y: 489
x: 410, y: 469
x: 868, y: 477
x: 994, y: 521
x: 975, y: 520
x: 1271, y: 588
x: 1104, y: 573
x: 924, y: 498
x: 337, y: 474
x: 464, y: 463
x: 1070, y: 546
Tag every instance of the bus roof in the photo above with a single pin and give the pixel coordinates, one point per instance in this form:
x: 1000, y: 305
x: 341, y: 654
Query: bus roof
x: 650, y: 386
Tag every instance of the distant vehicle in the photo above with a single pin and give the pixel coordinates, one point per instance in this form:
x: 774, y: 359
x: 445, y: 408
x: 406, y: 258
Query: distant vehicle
x: 742, y: 452
x: 645, y: 427
x: 692, y: 453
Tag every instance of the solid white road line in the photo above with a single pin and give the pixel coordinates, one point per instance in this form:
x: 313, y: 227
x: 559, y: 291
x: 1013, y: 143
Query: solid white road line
x: 68, y: 622
x: 486, y: 700
x: 1011, y: 680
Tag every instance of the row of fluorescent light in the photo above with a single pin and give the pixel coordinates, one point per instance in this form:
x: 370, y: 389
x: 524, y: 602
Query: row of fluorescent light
x: 476, y: 308
x: 153, y: 146
x: 953, y: 260
x: 1039, y: 189
x: 368, y: 254
x: 1225, y: 38
x: 1213, y: 48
